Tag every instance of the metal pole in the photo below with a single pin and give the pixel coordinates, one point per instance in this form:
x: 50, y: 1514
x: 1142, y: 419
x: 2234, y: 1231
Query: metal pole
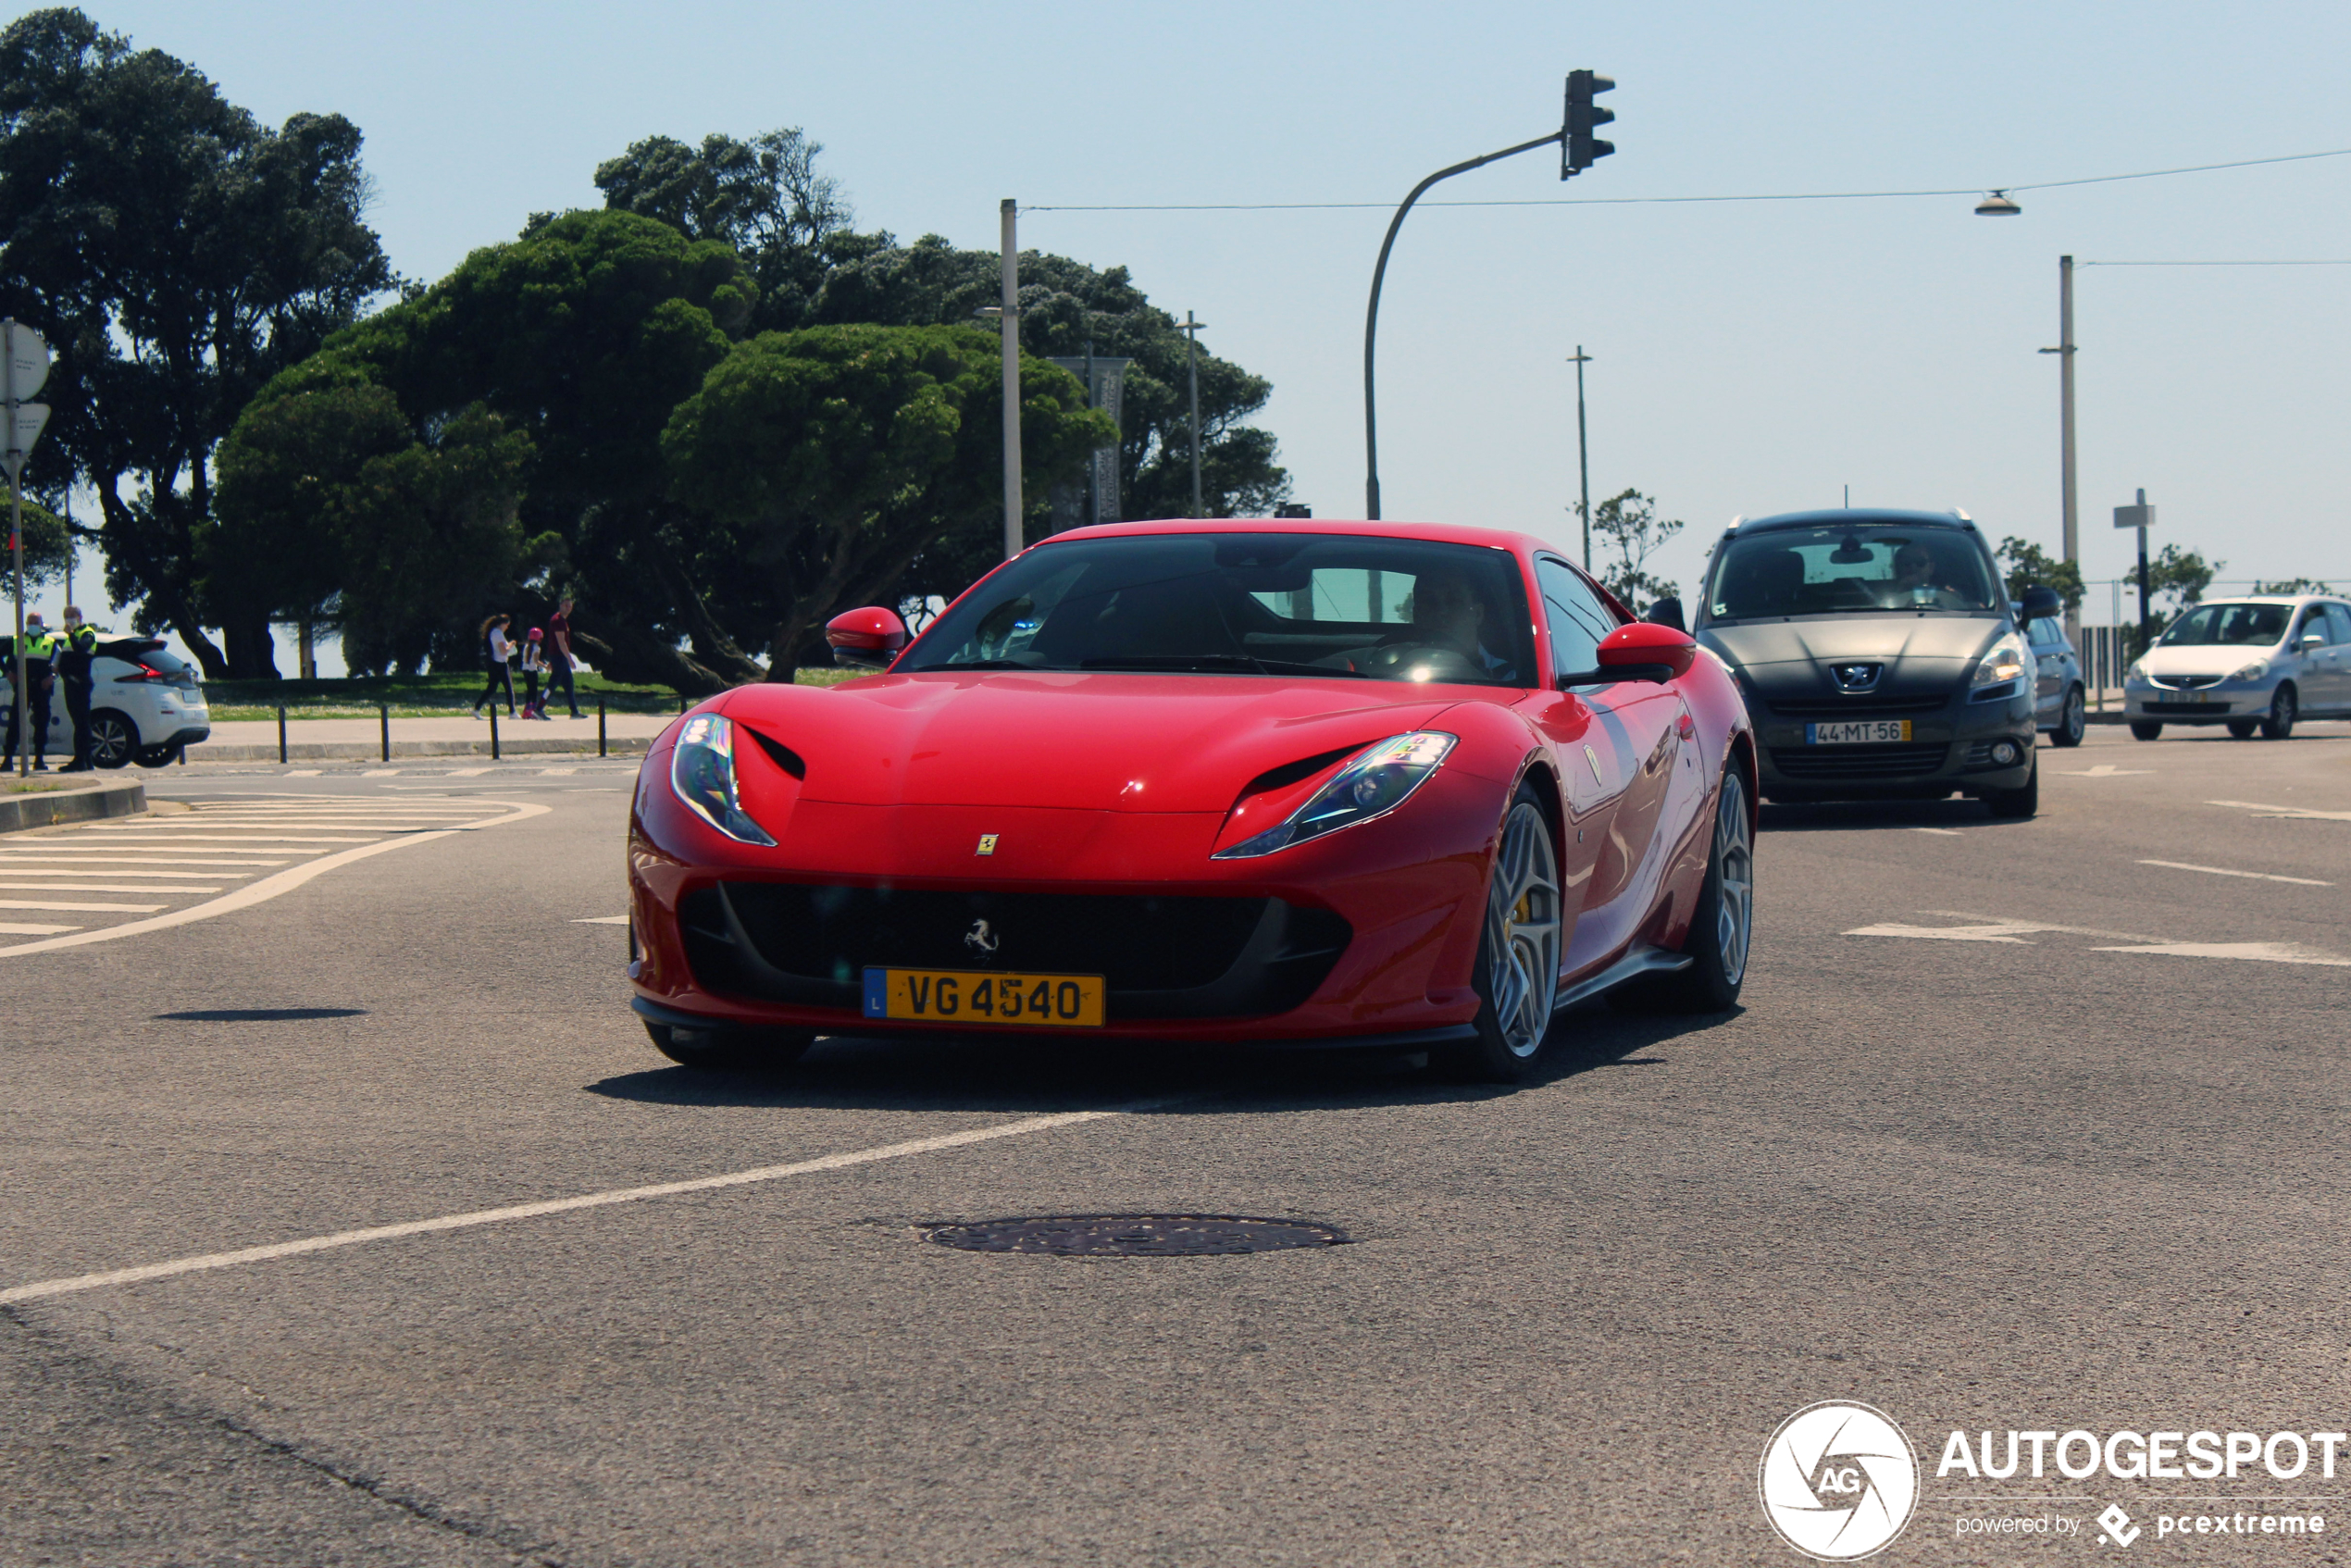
x: 600, y: 724
x: 2146, y: 618
x: 1093, y: 459
x: 1010, y: 324
x: 16, y: 540
x: 1192, y: 370
x: 282, y: 733
x: 1583, y: 461
x: 1371, y: 315
x: 383, y: 713
x: 493, y: 730
x: 2064, y: 351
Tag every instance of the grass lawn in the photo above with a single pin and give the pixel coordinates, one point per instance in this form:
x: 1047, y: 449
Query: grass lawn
x: 428, y: 696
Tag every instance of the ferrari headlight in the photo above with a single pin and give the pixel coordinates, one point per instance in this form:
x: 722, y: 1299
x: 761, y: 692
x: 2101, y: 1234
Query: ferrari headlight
x: 701, y: 770
x: 2003, y: 661
x: 1378, y: 781
x: 2253, y: 671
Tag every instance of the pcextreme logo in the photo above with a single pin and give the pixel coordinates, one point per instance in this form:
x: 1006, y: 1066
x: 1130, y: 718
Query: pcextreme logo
x: 1838, y: 1480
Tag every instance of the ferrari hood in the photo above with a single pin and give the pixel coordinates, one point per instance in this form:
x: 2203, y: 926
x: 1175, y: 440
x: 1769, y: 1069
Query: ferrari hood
x: 1081, y: 741
x: 1890, y: 639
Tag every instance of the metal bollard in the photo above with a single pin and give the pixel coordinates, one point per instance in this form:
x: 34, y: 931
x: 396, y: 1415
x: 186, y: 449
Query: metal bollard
x: 681, y: 704
x: 493, y: 731
x: 281, y: 732
x: 600, y: 724
x: 383, y: 713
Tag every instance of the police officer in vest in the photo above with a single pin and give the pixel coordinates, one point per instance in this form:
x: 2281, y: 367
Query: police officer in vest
x: 75, y: 649
x: 39, y: 650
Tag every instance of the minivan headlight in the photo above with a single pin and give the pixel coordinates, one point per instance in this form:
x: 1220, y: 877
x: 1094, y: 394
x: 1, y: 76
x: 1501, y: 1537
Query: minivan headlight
x: 2003, y: 661
x: 2253, y: 671
x: 702, y: 772
x: 1375, y: 783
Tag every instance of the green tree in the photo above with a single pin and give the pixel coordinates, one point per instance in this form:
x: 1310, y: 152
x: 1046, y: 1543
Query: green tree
x: 177, y: 253
x: 831, y: 458
x: 2292, y: 585
x: 1627, y: 524
x: 47, y: 545
x: 763, y: 198
x: 2025, y: 564
x: 2176, y: 579
x: 581, y: 337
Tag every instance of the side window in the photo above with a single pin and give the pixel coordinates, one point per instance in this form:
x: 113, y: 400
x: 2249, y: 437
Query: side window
x: 1578, y: 619
x: 2338, y: 621
x: 2314, y: 624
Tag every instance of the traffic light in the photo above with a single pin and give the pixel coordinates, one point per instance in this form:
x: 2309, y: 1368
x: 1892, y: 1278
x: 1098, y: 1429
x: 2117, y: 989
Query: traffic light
x: 1579, y: 147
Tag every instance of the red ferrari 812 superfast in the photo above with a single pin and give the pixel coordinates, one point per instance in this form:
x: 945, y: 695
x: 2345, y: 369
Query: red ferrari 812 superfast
x: 1290, y: 782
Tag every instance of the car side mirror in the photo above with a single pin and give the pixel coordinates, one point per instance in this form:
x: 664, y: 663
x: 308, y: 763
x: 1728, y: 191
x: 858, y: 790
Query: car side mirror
x: 867, y: 639
x: 1667, y: 611
x: 1642, y: 651
x: 2042, y: 603
x: 2313, y: 640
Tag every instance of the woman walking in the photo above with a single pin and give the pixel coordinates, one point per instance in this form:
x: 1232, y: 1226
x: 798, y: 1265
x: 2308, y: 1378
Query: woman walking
x: 496, y: 651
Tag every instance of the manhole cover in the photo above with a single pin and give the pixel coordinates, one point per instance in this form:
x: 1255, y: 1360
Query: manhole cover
x: 1136, y: 1236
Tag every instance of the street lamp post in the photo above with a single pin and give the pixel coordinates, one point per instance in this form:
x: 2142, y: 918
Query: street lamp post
x: 1192, y: 330
x: 1583, y: 458
x: 1010, y: 324
x: 2065, y: 352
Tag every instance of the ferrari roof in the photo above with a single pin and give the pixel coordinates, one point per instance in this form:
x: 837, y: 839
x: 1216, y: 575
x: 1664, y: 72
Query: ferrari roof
x: 1443, y: 533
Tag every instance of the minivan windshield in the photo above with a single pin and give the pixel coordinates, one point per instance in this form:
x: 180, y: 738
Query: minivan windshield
x: 1850, y: 569
x: 2234, y: 626
x: 1246, y: 604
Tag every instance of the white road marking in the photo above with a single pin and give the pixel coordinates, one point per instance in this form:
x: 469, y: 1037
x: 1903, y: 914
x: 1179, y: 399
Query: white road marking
x: 44, y: 903
x: 80, y: 862
x: 2285, y: 811
x: 45, y: 1288
x: 2265, y: 952
x: 2104, y: 770
x: 557, y: 772
x: 2223, y: 871
x: 45, y: 868
x: 1946, y: 832
x: 34, y: 931
x: 97, y: 888
x: 276, y: 882
x: 301, y: 773
x: 604, y: 920
x: 465, y: 773
x: 381, y: 773
x: 2000, y: 933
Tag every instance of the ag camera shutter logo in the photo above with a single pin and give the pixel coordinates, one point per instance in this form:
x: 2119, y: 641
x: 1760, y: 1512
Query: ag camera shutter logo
x: 1838, y: 1480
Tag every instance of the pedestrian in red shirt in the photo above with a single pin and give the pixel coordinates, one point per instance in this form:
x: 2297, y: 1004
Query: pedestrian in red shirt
x: 559, y: 658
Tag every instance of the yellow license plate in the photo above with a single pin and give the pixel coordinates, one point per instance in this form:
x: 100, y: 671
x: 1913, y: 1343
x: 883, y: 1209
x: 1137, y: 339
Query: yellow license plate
x: 976, y: 996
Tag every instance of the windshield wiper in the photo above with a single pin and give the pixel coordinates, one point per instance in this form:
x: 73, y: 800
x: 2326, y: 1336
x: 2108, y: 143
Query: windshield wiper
x: 1218, y: 661
x: 978, y: 664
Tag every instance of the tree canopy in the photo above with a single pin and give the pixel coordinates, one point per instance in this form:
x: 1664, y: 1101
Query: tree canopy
x: 1627, y: 524
x: 177, y: 253
x: 2026, y: 564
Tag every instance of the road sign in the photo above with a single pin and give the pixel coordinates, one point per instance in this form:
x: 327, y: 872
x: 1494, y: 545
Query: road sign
x: 31, y: 420
x: 24, y: 363
x: 2139, y: 516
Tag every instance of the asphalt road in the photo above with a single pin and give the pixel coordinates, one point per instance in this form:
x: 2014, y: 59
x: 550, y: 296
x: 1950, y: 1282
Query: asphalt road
x: 1974, y: 1152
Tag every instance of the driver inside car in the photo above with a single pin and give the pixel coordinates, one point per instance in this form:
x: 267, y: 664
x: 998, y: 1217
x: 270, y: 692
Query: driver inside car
x: 1914, y: 582
x: 1447, y: 617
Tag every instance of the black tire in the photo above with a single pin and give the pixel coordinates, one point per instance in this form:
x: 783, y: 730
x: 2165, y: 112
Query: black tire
x: 2023, y: 801
x: 2285, y: 706
x: 157, y: 757
x: 114, y: 739
x: 1722, y: 924
x: 2073, y: 719
x: 2143, y: 730
x: 2243, y: 728
x: 730, y: 1050
x: 1517, y: 975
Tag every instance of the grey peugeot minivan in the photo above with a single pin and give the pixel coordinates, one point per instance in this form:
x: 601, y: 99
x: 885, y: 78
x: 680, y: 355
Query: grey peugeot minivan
x: 1880, y: 655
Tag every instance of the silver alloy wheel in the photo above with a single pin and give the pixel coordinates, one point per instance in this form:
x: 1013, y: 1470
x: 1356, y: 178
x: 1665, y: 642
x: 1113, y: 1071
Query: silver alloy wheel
x: 1522, y: 931
x: 1734, y: 878
x: 2077, y: 714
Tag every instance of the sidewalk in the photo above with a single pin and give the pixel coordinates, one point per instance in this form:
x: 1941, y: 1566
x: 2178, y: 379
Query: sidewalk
x: 316, y: 739
x: 44, y: 800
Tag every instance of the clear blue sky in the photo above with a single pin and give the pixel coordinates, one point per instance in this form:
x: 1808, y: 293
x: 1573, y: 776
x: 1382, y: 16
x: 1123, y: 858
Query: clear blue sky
x: 1749, y: 359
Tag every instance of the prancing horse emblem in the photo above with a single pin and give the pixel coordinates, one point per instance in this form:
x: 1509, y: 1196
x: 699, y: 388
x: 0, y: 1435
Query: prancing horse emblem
x: 979, y: 938
x: 987, y: 844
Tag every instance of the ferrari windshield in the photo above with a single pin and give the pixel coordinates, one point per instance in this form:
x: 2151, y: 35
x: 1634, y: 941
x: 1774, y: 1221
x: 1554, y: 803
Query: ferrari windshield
x: 1865, y: 568
x: 1246, y: 604
x: 2233, y: 626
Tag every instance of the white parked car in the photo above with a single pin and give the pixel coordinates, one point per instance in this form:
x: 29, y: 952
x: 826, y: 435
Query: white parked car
x: 2258, y: 663
x: 146, y: 705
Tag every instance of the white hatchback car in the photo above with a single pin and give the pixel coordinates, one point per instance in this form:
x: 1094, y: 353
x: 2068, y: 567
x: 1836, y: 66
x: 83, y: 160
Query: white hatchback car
x: 2258, y: 663
x: 145, y: 705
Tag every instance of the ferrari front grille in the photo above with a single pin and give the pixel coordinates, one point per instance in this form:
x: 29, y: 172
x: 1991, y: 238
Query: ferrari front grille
x: 1162, y: 956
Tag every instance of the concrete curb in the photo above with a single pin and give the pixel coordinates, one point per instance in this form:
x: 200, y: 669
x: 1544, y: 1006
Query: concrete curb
x: 352, y: 751
x: 84, y: 802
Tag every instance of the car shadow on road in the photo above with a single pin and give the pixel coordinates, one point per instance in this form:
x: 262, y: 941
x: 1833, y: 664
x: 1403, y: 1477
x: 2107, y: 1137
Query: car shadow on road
x: 1848, y: 816
x: 1031, y: 1076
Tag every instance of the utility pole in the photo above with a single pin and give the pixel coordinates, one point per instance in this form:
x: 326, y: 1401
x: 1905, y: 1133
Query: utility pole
x: 1191, y: 368
x: 1010, y: 324
x: 16, y: 547
x: 2065, y: 350
x: 1583, y: 458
